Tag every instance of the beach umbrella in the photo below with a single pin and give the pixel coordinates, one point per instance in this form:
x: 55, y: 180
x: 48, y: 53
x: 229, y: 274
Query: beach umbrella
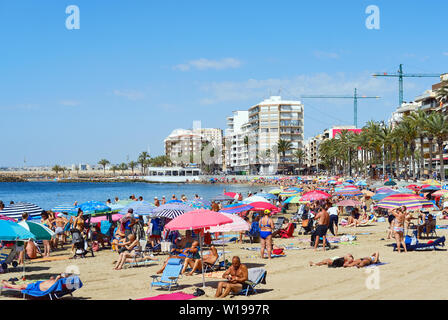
x: 381, y: 196
x: 171, y: 210
x: 368, y: 193
x: 410, y: 201
x: 429, y: 189
x: 65, y: 208
x: 92, y: 207
x: 390, y: 183
x: 140, y: 208
x: 361, y: 183
x: 237, y: 224
x: 432, y: 182
x: 115, y: 217
x: 39, y: 231
x: 234, y: 195
x: 440, y: 193
x: 295, y: 199
x: 12, y: 231
x: 348, y: 193
x: 445, y: 187
x: 16, y: 210
x: 315, y: 195
x: 255, y: 199
x: 268, y: 196
x: 275, y: 191
x: 261, y: 206
x: 222, y: 197
x: 116, y: 206
x: 2, y: 217
x: 413, y: 187
x: 402, y: 190
x: 198, y: 219
x: 385, y: 190
x: 199, y: 204
x: 348, y: 203
x: 236, y: 208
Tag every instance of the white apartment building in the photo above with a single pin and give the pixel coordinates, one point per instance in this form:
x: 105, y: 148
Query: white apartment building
x: 236, y: 150
x: 269, y: 121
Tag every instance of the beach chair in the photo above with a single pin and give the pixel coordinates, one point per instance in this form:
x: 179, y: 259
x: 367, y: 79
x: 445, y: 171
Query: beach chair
x: 288, y: 233
x: 279, y: 223
x: 62, y: 287
x: 255, y: 277
x: 215, y: 266
x: 254, y: 232
x: 169, y: 276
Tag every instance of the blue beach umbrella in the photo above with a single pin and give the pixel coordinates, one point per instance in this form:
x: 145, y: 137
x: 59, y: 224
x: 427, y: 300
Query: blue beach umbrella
x: 92, y: 207
x: 361, y: 183
x: 140, y: 208
x: 268, y: 196
x: 174, y: 201
x: 11, y: 231
x: 236, y: 208
x: 199, y: 204
x: 64, y: 208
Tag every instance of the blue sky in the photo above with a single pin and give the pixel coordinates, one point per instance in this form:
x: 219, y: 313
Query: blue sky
x: 135, y: 71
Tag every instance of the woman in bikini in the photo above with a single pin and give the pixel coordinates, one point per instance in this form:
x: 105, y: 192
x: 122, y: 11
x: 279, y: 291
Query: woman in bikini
x: 266, y: 226
x: 366, y: 261
x: 398, y: 228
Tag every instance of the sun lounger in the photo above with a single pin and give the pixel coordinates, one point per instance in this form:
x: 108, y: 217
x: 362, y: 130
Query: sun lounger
x: 424, y: 246
x: 60, y: 288
x: 255, y: 277
x: 169, y: 276
x: 215, y: 266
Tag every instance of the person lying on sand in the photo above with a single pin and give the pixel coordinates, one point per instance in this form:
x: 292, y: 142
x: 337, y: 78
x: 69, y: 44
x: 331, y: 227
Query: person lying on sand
x: 335, y: 262
x: 367, y: 261
x: 186, y: 253
x: 43, y: 285
x: 196, y: 264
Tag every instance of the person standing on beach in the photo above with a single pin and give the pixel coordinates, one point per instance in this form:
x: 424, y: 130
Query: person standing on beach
x: 163, y: 200
x: 156, y: 202
x: 266, y: 227
x: 334, y: 217
x: 398, y: 228
x: 321, y: 229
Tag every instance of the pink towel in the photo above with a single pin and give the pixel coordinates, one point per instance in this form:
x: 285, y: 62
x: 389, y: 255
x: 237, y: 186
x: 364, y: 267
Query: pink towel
x: 171, y: 296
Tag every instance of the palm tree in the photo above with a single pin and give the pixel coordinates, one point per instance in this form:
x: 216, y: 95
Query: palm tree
x: 419, y: 120
x: 56, y: 169
x: 299, y: 154
x: 132, y: 165
x: 142, y: 160
x: 77, y: 170
x: 283, y: 146
x: 246, y: 143
x: 439, y: 125
x: 123, y: 167
x: 431, y: 133
x: 104, y: 163
x: 114, y: 168
x: 386, y: 139
x: 409, y: 134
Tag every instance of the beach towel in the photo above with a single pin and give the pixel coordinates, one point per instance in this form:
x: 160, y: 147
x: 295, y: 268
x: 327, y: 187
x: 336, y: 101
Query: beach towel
x: 171, y: 296
x: 60, y: 286
x: 376, y: 264
x: 442, y: 227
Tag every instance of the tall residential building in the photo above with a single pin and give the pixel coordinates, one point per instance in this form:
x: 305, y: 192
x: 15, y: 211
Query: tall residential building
x: 236, y: 150
x: 269, y: 121
x: 190, y: 146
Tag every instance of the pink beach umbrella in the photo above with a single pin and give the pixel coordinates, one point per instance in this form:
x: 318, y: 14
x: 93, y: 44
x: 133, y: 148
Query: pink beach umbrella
x: 115, y: 217
x: 348, y: 203
x: 237, y: 224
x: 315, y: 195
x: 198, y: 219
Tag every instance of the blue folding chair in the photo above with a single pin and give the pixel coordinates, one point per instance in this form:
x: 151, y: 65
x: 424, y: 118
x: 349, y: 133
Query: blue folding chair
x: 169, y: 276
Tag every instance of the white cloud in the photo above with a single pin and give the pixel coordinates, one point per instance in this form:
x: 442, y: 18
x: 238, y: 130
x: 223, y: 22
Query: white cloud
x: 326, y: 55
x: 206, y: 64
x: 70, y: 103
x: 132, y: 95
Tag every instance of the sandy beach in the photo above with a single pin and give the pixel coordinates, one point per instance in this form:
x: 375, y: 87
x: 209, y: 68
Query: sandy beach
x: 413, y: 275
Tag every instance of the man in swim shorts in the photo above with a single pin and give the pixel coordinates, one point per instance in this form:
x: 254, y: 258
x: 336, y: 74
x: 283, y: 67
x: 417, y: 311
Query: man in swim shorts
x: 321, y: 229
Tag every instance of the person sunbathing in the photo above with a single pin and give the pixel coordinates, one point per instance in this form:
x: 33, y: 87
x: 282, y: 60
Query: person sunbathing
x: 186, y: 253
x: 236, y: 276
x: 366, y: 261
x: 336, y: 262
x: 42, y: 285
x: 196, y: 264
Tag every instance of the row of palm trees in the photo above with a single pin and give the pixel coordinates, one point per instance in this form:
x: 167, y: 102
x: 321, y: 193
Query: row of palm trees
x: 144, y: 161
x: 389, y: 145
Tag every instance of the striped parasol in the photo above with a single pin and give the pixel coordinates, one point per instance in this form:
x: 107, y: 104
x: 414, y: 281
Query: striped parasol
x: 440, y: 193
x: 16, y: 210
x: 234, y: 195
x: 39, y: 231
x: 171, y: 210
x: 236, y: 208
x: 410, y: 201
x: 295, y: 199
x: 348, y: 193
x: 432, y: 182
